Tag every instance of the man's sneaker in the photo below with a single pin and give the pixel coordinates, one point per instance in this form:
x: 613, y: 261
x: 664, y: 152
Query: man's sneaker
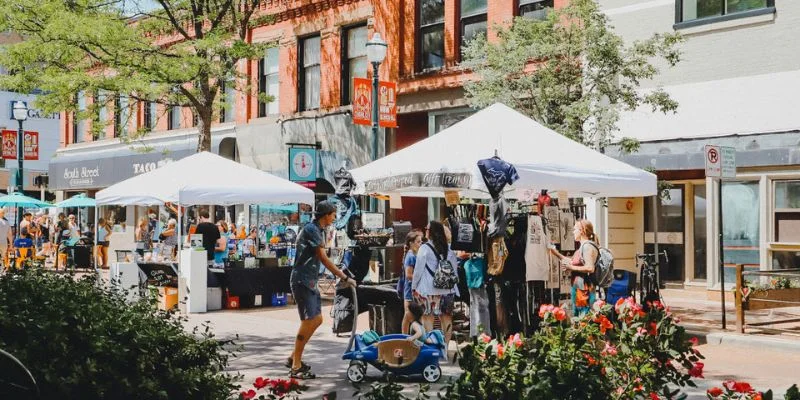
x: 303, y: 365
x: 300, y: 374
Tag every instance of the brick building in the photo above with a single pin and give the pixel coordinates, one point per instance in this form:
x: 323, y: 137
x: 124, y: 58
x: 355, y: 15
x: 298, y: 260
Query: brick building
x: 320, y: 47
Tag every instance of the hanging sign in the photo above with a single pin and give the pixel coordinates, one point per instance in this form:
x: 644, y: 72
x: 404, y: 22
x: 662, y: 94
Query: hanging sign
x: 387, y: 104
x: 302, y: 164
x: 451, y: 197
x: 362, y: 103
x: 395, y: 201
x: 563, y: 199
x: 30, y: 140
x: 372, y: 220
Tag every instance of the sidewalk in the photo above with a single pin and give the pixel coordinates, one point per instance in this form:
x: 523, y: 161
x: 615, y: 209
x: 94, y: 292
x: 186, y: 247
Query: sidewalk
x: 703, y: 318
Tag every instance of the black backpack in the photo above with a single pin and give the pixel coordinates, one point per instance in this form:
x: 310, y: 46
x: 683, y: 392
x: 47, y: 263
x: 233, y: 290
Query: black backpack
x: 446, y: 275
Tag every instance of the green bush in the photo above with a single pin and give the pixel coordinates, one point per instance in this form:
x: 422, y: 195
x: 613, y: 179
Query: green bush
x: 84, y: 342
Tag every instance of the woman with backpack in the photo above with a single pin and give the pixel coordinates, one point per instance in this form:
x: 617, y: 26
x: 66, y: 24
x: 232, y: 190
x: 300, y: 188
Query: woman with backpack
x: 435, y: 280
x: 581, y: 266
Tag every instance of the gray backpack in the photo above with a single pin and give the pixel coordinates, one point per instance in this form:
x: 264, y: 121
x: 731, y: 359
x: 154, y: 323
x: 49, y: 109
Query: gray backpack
x: 603, y: 266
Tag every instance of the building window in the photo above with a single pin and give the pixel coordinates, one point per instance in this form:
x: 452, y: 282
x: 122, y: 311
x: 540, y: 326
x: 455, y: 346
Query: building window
x: 787, y: 211
x: 174, y: 118
x: 473, y: 20
x: 78, y: 124
x: 431, y: 34
x: 269, y: 84
x: 122, y: 115
x: 740, y: 226
x: 102, y: 116
x: 534, y: 9
x: 309, y: 62
x: 228, y: 111
x: 354, y: 59
x: 149, y: 116
x: 689, y: 10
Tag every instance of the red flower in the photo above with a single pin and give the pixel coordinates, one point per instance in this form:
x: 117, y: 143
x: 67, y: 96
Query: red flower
x: 758, y: 397
x: 250, y: 394
x: 714, y: 392
x: 653, y: 396
x: 653, y: 329
x: 500, y: 350
x: 742, y: 387
x: 544, y: 309
x: 729, y: 384
x: 604, y: 323
x: 694, y: 341
x: 260, y: 383
x: 560, y: 314
x: 697, y: 370
x: 485, y: 338
x: 590, y: 360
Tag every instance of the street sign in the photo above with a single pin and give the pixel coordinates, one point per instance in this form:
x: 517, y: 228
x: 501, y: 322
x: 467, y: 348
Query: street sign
x: 713, y: 157
x: 362, y: 103
x: 728, y: 162
x: 30, y: 140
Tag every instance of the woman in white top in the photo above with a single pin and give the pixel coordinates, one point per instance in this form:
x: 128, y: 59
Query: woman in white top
x: 435, y: 301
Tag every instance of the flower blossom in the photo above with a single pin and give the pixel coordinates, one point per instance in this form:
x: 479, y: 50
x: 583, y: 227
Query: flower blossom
x: 697, y: 370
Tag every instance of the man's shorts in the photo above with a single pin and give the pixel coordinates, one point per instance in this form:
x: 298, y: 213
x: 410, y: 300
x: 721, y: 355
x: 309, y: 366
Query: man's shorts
x: 309, y: 303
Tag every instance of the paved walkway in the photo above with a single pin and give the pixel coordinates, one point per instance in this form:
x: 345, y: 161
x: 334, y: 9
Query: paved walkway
x: 267, y: 337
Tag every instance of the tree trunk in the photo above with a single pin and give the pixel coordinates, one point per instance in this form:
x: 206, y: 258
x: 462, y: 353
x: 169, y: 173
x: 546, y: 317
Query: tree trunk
x: 204, y: 131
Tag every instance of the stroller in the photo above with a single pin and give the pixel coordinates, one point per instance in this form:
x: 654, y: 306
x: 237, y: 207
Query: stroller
x: 78, y: 253
x: 392, y: 353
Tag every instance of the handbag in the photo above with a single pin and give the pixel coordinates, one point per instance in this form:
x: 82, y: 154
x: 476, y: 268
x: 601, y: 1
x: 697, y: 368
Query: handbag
x: 445, y: 276
x: 465, y: 231
x: 496, y: 259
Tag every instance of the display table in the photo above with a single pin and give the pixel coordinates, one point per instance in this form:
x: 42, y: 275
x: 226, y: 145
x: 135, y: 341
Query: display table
x: 250, y: 282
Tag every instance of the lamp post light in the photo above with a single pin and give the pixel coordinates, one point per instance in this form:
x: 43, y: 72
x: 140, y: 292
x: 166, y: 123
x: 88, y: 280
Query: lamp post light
x: 376, y: 53
x: 20, y: 113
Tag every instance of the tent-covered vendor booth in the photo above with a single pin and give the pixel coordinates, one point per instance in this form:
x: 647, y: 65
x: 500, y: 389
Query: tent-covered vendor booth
x: 519, y: 165
x: 201, y: 179
x: 543, y: 158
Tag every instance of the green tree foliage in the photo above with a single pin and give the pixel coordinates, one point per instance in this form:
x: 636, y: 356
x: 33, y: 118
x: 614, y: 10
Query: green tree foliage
x: 173, y: 52
x: 570, y: 72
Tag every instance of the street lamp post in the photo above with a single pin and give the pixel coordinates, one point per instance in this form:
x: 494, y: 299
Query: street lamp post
x: 376, y: 53
x: 20, y: 113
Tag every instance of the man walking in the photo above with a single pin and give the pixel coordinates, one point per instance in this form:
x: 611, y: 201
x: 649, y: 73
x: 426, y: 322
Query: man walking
x: 211, y: 235
x: 5, y: 237
x: 310, y: 254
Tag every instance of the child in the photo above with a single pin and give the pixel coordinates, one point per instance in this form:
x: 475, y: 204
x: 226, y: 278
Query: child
x: 416, y: 329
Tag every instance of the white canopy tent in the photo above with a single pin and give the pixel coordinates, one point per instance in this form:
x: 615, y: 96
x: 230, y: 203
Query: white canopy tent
x: 205, y: 178
x: 543, y: 158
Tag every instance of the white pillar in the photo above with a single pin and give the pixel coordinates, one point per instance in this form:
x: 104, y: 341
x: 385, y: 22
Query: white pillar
x: 712, y: 233
x: 764, y: 222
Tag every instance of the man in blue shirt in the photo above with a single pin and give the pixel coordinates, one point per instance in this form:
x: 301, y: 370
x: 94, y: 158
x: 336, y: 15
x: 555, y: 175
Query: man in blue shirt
x: 305, y: 274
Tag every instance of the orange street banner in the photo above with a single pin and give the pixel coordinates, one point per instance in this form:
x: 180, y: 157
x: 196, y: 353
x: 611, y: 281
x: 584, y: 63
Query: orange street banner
x: 9, y: 140
x: 362, y: 101
x: 387, y: 107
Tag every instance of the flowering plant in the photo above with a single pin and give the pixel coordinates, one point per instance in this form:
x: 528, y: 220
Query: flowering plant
x: 272, y: 389
x: 743, y: 391
x: 619, y: 352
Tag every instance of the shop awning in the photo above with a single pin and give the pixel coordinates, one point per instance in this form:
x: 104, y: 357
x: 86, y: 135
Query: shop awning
x: 99, y: 165
x: 204, y: 178
x: 543, y: 158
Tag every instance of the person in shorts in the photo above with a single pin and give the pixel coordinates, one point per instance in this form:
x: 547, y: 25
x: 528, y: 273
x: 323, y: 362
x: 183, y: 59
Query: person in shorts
x: 305, y: 274
x: 6, y: 237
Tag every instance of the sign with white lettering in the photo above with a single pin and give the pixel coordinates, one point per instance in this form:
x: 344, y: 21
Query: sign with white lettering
x: 449, y: 180
x: 728, y: 162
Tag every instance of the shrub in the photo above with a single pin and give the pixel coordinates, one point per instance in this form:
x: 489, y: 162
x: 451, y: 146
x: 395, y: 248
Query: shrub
x: 83, y: 341
x: 599, y: 356
x: 743, y: 391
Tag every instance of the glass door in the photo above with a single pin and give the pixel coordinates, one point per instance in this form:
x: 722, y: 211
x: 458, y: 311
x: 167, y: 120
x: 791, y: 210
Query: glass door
x: 671, y: 232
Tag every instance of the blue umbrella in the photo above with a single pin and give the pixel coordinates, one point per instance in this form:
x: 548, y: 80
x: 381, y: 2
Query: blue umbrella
x: 80, y: 200
x: 18, y: 199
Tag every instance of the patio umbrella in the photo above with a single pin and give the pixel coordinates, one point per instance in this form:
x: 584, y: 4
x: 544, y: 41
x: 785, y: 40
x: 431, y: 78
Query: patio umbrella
x: 18, y: 199
x: 80, y: 200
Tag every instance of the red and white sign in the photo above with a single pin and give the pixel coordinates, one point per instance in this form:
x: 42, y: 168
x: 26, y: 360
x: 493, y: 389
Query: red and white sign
x: 362, y: 103
x: 713, y: 161
x: 31, y: 145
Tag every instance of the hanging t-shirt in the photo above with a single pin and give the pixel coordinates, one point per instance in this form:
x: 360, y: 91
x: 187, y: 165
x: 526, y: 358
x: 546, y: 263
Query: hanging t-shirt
x: 497, y: 174
x: 497, y: 218
x: 537, y: 264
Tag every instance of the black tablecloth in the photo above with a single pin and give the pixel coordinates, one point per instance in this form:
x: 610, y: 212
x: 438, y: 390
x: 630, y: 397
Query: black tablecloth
x: 256, y: 281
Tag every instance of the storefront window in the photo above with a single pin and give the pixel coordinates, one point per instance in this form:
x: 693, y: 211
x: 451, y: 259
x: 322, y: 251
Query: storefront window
x: 787, y: 211
x: 740, y: 225
x: 700, y: 240
x: 670, y: 212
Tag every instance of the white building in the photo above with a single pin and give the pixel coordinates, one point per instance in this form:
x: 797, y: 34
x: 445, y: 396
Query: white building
x: 736, y: 86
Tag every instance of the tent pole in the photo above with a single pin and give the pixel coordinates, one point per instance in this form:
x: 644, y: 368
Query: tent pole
x: 96, y: 238
x: 179, y: 227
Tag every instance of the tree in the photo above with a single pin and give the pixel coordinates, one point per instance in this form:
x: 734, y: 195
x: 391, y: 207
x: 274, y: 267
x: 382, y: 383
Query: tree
x: 171, y: 52
x: 570, y: 72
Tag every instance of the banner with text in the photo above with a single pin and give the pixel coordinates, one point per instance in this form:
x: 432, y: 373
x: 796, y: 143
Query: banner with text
x: 362, y: 103
x: 30, y: 140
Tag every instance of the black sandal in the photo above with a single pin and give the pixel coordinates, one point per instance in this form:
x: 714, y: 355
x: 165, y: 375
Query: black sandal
x: 303, y: 365
x: 300, y: 374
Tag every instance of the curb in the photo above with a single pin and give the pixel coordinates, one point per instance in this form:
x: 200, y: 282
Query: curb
x: 716, y: 338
